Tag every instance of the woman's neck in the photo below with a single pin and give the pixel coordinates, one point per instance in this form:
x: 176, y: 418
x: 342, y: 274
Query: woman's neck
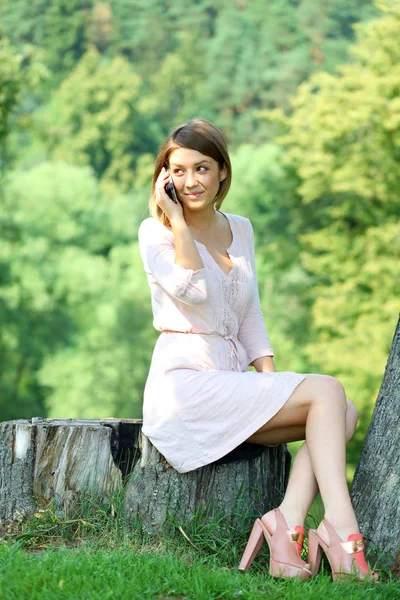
x: 201, y: 221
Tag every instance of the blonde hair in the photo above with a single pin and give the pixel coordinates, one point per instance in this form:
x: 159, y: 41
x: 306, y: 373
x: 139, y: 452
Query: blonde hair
x: 197, y: 134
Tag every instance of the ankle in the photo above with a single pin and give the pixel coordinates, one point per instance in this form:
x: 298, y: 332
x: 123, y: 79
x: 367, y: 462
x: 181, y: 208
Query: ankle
x: 294, y: 515
x: 344, y: 526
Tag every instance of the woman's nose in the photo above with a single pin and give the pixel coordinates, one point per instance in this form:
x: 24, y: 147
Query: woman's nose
x: 191, y: 180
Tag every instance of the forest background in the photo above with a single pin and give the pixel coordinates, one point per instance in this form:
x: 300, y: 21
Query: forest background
x: 308, y: 97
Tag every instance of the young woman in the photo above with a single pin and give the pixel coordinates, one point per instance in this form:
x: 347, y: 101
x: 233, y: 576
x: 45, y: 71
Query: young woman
x: 200, y: 399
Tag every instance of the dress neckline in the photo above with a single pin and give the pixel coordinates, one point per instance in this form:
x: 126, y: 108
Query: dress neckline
x: 228, y: 250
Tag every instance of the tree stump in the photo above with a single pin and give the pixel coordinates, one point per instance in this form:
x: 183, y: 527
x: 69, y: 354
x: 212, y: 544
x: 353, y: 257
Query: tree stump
x: 376, y: 485
x: 62, y: 459
x: 240, y: 486
x: 66, y: 460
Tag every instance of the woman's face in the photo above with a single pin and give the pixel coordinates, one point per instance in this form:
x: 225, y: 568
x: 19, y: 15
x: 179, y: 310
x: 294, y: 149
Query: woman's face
x: 196, y: 177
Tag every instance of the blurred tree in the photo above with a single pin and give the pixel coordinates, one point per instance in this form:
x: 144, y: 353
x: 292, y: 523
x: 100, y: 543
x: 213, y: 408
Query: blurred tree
x: 103, y: 372
x: 100, y: 27
x: 343, y: 141
x: 59, y: 27
x: 167, y: 21
x: 219, y: 59
x: 93, y: 119
x: 10, y: 85
x: 344, y: 132
x: 260, y: 53
x: 19, y: 73
x: 262, y: 191
x: 174, y: 89
x: 73, y: 311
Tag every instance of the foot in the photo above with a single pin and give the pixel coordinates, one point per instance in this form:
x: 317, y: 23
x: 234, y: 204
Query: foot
x: 344, y: 550
x: 285, y: 550
x: 292, y: 524
x: 343, y: 530
x: 291, y: 518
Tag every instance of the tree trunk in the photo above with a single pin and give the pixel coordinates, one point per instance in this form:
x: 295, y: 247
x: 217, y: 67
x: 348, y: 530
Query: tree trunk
x: 376, y: 486
x: 241, y: 486
x: 66, y: 460
x: 62, y: 459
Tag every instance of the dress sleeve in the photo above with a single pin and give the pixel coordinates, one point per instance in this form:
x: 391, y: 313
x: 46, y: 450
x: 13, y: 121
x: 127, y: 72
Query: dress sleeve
x: 252, y: 331
x: 158, y: 255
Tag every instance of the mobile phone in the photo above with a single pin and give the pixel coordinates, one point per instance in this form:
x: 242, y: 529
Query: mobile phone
x: 170, y: 188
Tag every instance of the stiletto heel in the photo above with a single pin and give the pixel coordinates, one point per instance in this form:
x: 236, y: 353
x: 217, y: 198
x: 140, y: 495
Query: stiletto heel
x: 314, y: 552
x: 345, y: 558
x: 254, y: 544
x: 284, y: 548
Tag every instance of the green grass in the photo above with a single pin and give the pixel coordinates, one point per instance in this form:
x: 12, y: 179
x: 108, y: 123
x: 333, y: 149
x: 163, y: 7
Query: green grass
x: 139, y: 573
x: 93, y: 556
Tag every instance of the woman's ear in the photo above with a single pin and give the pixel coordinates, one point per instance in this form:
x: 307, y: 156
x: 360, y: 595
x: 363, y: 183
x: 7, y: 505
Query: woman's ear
x: 223, y: 174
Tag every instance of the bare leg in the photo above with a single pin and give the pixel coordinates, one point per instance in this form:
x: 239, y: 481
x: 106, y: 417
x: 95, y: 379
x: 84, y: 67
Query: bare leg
x: 302, y: 487
x: 322, y: 458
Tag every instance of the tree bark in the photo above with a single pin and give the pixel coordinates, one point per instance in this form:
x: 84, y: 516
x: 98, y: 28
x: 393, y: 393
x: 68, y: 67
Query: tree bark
x: 66, y: 460
x: 375, y: 490
x: 241, y: 486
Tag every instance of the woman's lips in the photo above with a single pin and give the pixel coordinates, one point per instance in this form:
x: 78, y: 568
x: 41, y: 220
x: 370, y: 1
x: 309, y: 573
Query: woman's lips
x: 194, y: 194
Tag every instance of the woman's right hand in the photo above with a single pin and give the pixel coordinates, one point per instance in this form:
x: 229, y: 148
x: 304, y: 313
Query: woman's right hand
x: 168, y: 206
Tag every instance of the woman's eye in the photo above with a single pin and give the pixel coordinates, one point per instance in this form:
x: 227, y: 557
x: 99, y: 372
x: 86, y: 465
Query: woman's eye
x: 200, y: 167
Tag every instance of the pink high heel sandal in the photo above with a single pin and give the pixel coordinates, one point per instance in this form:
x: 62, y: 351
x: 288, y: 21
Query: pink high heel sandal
x: 345, y: 558
x: 284, y: 548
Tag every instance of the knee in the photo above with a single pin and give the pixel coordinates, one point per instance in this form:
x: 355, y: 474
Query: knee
x: 328, y: 390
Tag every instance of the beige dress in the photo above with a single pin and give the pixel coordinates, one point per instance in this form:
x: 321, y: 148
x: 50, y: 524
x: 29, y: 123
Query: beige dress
x: 200, y: 400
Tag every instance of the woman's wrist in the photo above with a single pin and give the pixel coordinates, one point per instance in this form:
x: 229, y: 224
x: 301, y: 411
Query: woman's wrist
x: 186, y: 252
x: 178, y: 222
x: 264, y: 364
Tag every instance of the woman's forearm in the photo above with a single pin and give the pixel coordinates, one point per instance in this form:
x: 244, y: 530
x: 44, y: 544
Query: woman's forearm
x: 264, y: 364
x: 186, y: 253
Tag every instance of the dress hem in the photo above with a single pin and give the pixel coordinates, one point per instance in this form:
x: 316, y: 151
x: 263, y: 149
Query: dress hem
x: 244, y: 434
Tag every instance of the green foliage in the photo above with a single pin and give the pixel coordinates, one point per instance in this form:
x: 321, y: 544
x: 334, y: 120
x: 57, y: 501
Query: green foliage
x: 343, y: 136
x: 356, y: 303
x: 258, y: 56
x: 61, y: 28
x: 93, y: 120
x: 171, y: 93
x: 342, y: 140
x: 73, y: 298
x: 10, y: 84
x: 261, y: 181
x: 102, y: 374
x: 19, y: 73
x: 220, y: 59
